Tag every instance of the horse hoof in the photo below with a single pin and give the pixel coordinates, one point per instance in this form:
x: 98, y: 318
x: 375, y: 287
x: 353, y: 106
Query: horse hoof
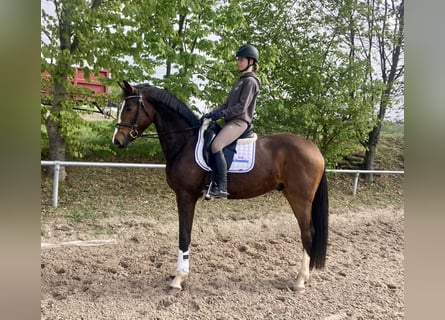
x: 179, y: 279
x: 176, y: 284
x: 300, y: 290
x: 174, y: 291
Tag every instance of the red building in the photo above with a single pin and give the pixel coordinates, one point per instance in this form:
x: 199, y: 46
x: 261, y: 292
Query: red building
x: 79, y: 80
x: 103, y: 106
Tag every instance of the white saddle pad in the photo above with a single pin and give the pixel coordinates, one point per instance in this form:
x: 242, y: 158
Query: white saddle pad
x: 243, y: 159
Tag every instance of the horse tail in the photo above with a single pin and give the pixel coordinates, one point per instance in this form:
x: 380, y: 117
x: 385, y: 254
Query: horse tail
x: 320, y: 208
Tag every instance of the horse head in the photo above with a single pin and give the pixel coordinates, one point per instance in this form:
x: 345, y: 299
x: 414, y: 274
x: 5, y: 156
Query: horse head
x: 135, y: 115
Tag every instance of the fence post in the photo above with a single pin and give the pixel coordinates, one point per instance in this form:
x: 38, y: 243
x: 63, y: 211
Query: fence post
x: 354, y: 192
x: 56, y: 183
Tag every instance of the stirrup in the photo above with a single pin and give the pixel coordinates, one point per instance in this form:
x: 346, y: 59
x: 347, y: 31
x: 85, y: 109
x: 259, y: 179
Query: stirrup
x: 215, y: 192
x: 206, y: 191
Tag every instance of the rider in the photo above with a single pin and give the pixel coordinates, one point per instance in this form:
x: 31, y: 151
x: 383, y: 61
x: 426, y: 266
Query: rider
x: 237, y: 113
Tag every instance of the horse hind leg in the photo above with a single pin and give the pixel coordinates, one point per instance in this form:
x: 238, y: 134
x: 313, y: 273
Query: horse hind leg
x: 303, y: 214
x: 303, y: 273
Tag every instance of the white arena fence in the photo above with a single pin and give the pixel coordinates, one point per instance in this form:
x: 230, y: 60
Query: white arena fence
x: 57, y: 164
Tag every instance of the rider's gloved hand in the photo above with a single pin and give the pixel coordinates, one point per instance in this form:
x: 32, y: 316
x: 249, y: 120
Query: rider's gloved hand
x: 214, y: 115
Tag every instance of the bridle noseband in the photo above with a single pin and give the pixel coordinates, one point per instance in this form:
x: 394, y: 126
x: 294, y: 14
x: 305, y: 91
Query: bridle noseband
x: 134, y: 133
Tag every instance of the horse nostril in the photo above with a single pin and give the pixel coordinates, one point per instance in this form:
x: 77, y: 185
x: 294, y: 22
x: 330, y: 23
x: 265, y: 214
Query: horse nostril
x: 116, y: 142
x: 119, y: 144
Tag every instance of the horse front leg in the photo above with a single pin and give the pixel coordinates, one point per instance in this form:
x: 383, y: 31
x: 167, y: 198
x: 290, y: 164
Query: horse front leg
x: 186, y: 210
x: 182, y: 270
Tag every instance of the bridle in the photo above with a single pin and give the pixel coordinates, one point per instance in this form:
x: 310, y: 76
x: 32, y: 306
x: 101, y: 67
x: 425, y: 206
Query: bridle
x: 134, y: 133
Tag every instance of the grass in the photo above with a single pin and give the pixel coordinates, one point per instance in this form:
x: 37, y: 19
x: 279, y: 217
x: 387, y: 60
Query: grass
x: 80, y: 215
x: 91, y: 194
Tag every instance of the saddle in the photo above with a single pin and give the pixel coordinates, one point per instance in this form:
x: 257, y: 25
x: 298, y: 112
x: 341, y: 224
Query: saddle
x: 209, y: 135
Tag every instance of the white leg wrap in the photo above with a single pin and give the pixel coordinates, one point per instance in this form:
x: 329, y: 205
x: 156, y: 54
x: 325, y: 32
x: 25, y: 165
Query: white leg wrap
x: 303, y: 275
x: 182, y: 270
x: 183, y: 261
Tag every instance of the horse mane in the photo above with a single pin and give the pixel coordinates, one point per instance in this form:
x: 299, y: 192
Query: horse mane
x: 171, y: 101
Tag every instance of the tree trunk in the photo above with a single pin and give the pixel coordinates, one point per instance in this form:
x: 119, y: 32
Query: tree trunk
x: 373, y: 140
x: 57, y: 146
x: 57, y: 143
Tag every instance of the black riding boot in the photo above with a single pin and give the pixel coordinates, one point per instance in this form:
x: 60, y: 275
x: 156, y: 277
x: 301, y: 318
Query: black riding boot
x: 220, y: 189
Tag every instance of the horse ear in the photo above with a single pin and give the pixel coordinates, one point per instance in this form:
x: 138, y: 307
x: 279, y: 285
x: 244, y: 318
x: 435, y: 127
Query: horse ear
x: 127, y: 88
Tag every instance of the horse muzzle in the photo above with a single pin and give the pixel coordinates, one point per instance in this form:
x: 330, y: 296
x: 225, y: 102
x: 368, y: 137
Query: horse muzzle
x: 119, y: 144
x: 121, y: 140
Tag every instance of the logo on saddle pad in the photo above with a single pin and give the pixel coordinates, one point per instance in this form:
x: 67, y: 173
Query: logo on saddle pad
x: 240, y: 155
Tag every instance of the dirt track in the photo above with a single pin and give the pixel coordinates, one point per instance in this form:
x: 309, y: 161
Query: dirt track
x: 240, y: 269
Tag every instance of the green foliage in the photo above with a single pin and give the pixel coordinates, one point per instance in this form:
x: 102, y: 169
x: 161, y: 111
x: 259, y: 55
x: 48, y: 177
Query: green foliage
x: 92, y: 137
x: 131, y: 39
x: 317, y: 77
x: 315, y: 81
x: 93, y: 142
x: 310, y: 84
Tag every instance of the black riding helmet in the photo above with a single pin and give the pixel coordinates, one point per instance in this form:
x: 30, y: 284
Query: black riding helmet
x: 248, y: 51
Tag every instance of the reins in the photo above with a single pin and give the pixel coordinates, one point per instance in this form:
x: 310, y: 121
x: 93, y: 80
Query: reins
x: 157, y: 135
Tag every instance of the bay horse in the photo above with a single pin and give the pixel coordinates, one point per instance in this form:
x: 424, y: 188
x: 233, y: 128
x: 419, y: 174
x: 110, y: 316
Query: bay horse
x: 285, y: 162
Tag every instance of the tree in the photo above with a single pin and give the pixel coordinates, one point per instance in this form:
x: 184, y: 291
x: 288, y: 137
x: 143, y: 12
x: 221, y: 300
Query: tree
x: 320, y: 74
x: 373, y: 32
x: 182, y: 37
x: 387, y: 28
x: 311, y: 86
x: 73, y: 35
x: 317, y: 60
x: 131, y: 39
